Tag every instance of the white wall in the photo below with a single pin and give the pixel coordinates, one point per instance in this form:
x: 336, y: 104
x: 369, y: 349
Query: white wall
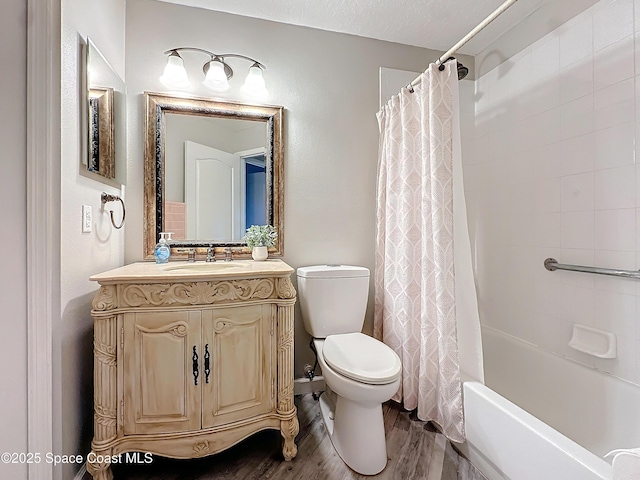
x: 13, y: 194
x: 554, y: 175
x: 327, y: 82
x: 82, y: 254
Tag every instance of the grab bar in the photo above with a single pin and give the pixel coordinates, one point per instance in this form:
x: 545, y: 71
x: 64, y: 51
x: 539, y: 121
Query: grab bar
x: 552, y: 264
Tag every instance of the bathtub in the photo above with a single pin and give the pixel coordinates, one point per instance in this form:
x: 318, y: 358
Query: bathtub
x: 506, y: 443
x: 580, y: 414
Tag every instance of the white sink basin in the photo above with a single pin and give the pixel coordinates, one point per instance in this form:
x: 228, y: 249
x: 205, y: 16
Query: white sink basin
x: 200, y: 267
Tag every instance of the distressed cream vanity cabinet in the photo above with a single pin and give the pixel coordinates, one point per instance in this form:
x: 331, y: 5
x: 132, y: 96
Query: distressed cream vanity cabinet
x: 191, y: 358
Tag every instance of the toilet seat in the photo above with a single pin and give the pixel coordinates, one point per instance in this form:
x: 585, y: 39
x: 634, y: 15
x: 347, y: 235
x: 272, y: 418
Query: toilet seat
x: 362, y: 358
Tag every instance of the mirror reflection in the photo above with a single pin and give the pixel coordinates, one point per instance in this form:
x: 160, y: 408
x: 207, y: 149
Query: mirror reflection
x: 106, y: 118
x: 215, y: 177
x: 212, y: 169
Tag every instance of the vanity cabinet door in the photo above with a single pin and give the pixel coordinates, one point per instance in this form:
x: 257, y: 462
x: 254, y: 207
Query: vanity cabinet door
x: 161, y: 389
x: 240, y: 342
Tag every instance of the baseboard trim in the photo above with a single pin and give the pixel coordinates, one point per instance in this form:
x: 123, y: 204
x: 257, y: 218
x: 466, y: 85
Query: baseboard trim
x: 303, y: 385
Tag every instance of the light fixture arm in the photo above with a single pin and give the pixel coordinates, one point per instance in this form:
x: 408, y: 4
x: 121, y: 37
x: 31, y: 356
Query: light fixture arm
x: 215, y: 55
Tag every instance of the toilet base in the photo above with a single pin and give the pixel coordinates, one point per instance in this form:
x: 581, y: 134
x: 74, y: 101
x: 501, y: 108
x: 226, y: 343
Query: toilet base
x: 356, y: 431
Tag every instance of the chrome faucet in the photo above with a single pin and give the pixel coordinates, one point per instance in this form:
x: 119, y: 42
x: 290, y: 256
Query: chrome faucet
x: 191, y: 255
x: 211, y: 254
x: 228, y: 255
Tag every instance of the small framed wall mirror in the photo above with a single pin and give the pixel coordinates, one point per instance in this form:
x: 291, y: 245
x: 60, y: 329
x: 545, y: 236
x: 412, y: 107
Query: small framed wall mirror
x: 106, y: 120
x: 212, y: 169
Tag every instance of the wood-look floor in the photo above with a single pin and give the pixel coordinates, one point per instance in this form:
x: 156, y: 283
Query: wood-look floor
x: 415, y: 450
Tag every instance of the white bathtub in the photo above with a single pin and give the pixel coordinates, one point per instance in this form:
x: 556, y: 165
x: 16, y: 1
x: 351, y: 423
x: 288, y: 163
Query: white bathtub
x: 505, y: 442
x: 595, y: 413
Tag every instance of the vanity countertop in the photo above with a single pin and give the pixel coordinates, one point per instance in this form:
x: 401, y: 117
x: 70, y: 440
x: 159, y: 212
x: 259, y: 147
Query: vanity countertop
x: 148, y: 272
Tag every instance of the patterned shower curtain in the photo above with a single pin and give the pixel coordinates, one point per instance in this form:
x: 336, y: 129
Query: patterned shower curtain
x: 415, y: 292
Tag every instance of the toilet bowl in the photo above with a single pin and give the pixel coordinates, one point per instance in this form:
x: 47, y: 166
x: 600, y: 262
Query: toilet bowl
x: 352, y: 413
x: 360, y: 372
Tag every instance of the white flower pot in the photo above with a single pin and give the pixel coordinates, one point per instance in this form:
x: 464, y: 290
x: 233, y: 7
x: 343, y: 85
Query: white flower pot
x: 260, y: 254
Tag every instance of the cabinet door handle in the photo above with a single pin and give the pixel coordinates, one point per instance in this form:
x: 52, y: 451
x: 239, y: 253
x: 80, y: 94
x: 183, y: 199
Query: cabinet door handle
x: 195, y: 366
x: 207, y: 357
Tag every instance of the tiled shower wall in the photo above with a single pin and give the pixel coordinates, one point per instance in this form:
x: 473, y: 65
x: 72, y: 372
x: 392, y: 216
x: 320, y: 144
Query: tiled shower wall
x: 552, y: 172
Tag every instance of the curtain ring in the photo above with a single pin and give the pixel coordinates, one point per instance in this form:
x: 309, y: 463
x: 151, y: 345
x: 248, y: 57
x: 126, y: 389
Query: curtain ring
x: 114, y: 198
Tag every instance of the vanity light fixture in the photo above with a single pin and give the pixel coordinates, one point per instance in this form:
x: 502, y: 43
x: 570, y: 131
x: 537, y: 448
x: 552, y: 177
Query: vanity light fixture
x: 216, y: 70
x: 174, y: 74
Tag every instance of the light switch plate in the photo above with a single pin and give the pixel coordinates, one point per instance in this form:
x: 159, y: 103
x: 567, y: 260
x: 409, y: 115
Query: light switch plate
x: 87, y: 218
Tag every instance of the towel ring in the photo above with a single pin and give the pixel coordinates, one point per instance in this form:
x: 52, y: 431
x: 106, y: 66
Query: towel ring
x: 114, y: 198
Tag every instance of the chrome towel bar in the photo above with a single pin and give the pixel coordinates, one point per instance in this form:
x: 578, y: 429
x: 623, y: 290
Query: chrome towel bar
x: 552, y: 264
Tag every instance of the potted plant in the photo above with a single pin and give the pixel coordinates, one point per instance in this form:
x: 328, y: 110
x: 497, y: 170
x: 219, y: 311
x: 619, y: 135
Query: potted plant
x: 259, y: 238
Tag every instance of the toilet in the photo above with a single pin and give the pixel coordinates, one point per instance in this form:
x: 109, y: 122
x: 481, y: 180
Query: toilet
x: 360, y: 372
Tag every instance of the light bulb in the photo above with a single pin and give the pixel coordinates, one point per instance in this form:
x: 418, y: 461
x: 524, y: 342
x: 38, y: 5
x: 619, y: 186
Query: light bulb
x: 216, y: 78
x: 174, y: 75
x: 254, y: 84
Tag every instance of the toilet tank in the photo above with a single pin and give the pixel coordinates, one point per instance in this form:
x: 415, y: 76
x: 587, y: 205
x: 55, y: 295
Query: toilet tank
x: 333, y: 298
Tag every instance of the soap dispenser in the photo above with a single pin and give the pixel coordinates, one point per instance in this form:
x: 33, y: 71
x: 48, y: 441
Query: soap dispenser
x: 162, y: 250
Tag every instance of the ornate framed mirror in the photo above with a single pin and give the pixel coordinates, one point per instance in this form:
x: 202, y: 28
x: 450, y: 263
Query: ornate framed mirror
x: 106, y: 120
x: 212, y: 169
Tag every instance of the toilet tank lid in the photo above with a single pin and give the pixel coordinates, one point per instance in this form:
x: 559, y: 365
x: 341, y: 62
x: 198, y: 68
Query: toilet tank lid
x: 332, y: 271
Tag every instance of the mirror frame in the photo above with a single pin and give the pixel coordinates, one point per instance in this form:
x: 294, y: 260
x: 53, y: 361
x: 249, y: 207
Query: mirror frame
x: 156, y: 106
x: 101, y: 157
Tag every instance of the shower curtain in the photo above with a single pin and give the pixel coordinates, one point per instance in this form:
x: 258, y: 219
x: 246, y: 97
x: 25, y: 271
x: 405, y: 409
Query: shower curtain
x: 425, y: 299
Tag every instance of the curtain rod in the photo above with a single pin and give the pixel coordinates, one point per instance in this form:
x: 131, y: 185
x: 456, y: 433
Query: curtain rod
x: 495, y: 14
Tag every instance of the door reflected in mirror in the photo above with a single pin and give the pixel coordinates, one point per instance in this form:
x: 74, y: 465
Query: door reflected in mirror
x: 212, y: 169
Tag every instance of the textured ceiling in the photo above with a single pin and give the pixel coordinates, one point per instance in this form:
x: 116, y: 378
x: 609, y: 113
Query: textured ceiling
x: 435, y: 24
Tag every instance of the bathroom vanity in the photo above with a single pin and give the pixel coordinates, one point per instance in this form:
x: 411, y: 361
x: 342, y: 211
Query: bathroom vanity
x: 191, y: 358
